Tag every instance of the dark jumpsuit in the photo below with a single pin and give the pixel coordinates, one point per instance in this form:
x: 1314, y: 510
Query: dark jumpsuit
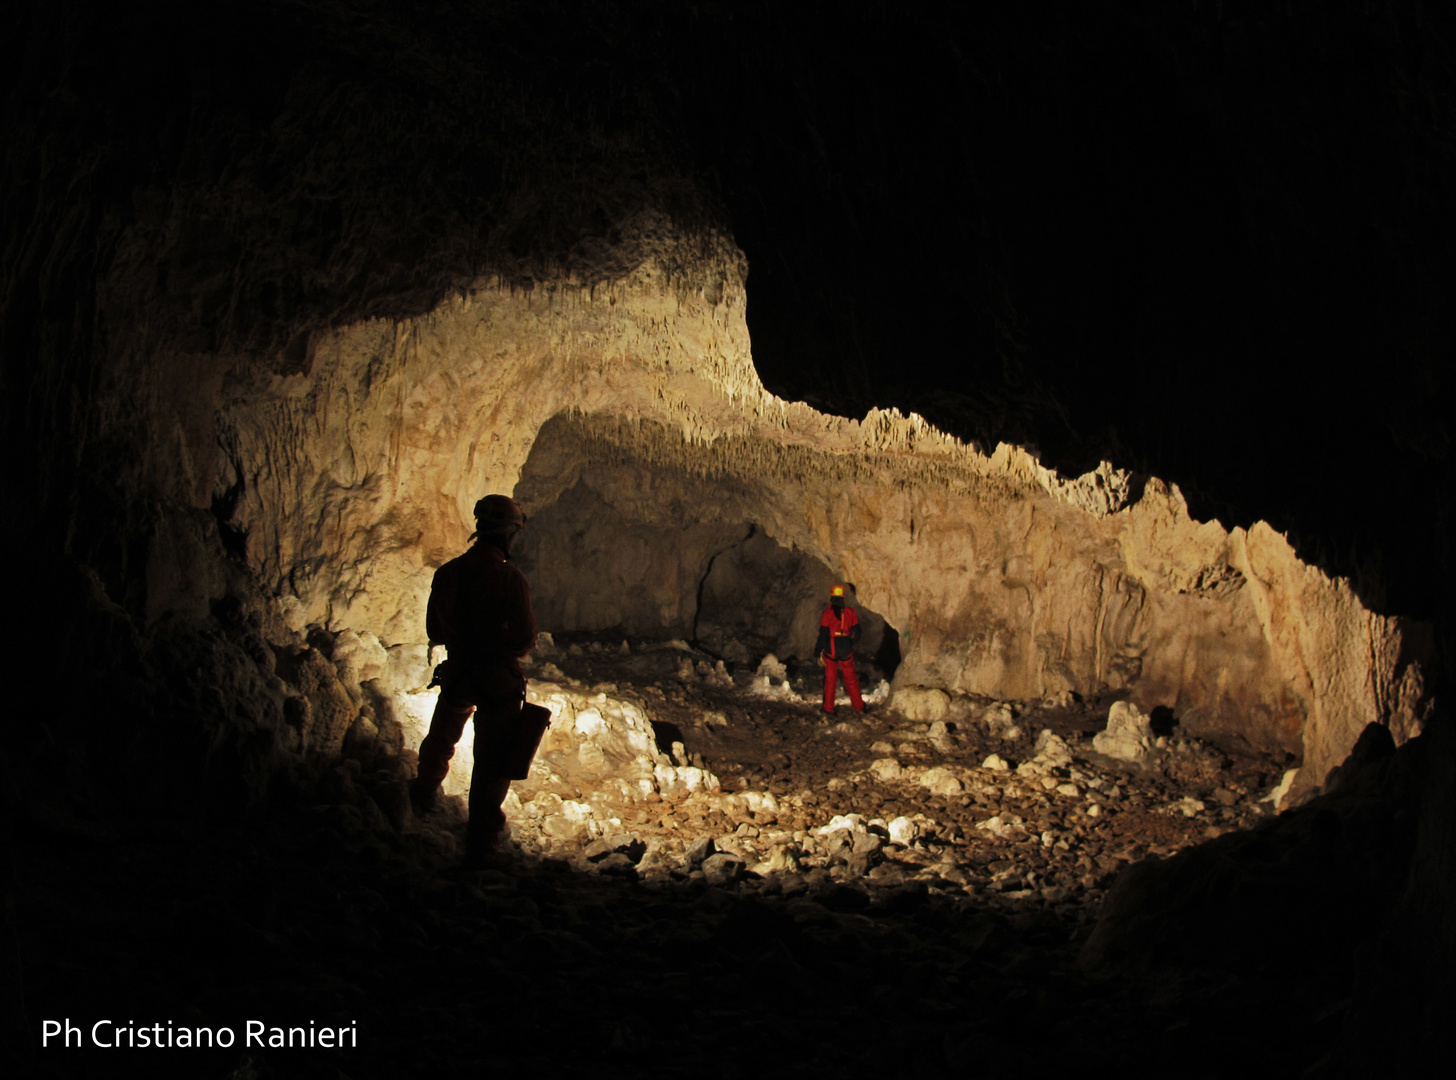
x: 480, y: 609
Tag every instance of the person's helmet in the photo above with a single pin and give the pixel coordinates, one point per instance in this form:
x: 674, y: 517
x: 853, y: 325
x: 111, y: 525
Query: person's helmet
x: 495, y: 512
x: 838, y: 591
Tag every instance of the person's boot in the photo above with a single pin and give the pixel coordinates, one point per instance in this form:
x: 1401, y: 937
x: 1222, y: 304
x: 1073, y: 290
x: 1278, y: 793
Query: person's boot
x: 485, y: 838
x: 485, y: 851
x: 423, y: 796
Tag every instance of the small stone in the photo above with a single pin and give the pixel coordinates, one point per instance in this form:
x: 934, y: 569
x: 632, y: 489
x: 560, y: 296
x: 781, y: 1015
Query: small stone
x: 1225, y: 797
x: 1000, y: 721
x: 1051, y: 750
x: 886, y: 875
x: 921, y: 703
x: 952, y: 873
x: 941, y: 782
x: 1000, y: 827
x: 1071, y: 791
x: 780, y: 859
x: 771, y: 667
x: 598, y: 850
x: 1281, y: 790
x: 1094, y: 810
x: 903, y: 830
x: 792, y: 884
x: 996, y: 763
x: 838, y: 845
x: 700, y: 850
x: 886, y: 769
x: 723, y: 869
x: 618, y: 865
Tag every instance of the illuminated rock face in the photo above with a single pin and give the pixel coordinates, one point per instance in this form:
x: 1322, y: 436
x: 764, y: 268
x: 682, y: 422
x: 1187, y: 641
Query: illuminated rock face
x: 657, y: 552
x: 629, y: 421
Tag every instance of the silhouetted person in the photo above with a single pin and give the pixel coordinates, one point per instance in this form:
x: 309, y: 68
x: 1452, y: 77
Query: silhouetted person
x: 838, y: 631
x: 480, y: 610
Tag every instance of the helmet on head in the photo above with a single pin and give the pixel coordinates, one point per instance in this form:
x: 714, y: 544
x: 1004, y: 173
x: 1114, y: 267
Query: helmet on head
x: 496, y: 512
x: 836, y: 594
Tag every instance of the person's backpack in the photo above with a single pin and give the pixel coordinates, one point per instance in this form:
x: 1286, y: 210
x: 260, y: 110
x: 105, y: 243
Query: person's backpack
x: 440, y: 621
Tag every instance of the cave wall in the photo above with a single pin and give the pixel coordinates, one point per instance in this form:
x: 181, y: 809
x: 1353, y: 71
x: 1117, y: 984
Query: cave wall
x: 348, y: 482
x: 271, y: 333
x: 593, y: 569
x: 656, y: 552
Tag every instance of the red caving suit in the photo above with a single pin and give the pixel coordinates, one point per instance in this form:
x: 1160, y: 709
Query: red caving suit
x: 841, y: 630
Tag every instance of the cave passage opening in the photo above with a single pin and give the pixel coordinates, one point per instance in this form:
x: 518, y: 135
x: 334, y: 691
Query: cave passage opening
x: 621, y: 548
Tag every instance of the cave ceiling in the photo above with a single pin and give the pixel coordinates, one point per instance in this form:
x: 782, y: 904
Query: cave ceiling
x: 1215, y: 247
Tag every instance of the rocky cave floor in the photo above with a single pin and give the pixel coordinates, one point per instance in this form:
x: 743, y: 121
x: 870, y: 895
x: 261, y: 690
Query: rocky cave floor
x: 894, y: 909
x: 862, y: 804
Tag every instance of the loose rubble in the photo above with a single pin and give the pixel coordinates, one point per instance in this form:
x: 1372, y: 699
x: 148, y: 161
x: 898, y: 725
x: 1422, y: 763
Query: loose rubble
x: 663, y: 765
x: 694, y: 855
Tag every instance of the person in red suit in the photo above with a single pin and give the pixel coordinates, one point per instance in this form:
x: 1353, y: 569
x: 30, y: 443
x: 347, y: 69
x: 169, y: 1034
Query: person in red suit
x: 838, y: 631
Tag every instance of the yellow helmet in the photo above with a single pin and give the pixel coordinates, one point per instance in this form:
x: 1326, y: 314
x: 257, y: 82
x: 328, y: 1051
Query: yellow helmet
x: 837, y: 590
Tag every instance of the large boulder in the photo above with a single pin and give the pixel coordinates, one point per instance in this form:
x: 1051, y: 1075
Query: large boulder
x: 1128, y: 735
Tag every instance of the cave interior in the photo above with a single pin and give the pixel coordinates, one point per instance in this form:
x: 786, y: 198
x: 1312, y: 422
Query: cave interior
x: 1106, y: 356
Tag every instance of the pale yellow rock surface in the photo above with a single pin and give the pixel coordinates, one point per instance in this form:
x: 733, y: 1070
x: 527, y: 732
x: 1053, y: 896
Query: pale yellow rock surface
x: 355, y: 480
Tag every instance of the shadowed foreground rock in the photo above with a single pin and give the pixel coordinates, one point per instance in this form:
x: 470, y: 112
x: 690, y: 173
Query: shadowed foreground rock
x: 1343, y: 904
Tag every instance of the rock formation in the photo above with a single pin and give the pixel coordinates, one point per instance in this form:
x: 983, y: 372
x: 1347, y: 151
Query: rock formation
x: 630, y: 422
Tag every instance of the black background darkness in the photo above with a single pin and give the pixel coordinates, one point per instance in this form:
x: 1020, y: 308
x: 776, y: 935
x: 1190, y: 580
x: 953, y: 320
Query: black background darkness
x: 1213, y: 247
x: 1212, y: 242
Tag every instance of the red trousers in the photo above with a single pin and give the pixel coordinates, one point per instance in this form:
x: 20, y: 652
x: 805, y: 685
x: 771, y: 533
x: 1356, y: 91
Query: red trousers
x: 488, y: 782
x: 843, y: 667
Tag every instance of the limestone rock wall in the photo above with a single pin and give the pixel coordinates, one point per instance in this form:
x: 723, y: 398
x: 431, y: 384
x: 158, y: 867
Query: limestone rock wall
x: 349, y: 481
x: 658, y: 552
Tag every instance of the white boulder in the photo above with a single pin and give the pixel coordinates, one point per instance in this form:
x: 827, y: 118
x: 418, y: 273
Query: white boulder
x: 1128, y: 736
x: 922, y: 703
x: 941, y: 782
